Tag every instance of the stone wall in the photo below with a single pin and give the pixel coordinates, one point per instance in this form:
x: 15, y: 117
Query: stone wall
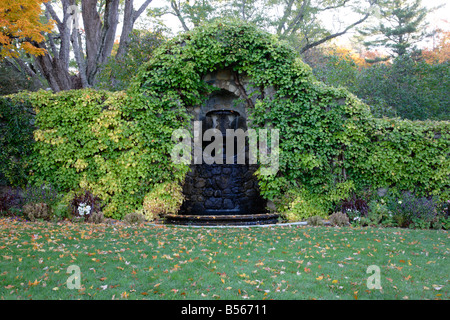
x: 220, y: 189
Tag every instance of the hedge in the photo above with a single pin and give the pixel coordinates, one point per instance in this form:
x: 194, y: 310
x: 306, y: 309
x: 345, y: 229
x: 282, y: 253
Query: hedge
x: 118, y: 144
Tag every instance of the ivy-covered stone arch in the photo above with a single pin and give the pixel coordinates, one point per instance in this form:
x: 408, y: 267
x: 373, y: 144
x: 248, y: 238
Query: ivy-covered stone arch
x: 327, y: 136
x: 278, y: 90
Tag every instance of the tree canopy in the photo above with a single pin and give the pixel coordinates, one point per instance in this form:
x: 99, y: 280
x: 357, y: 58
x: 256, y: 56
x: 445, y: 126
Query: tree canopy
x: 21, y: 28
x: 402, y: 25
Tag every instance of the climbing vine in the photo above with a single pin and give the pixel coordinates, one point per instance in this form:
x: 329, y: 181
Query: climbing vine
x: 118, y: 144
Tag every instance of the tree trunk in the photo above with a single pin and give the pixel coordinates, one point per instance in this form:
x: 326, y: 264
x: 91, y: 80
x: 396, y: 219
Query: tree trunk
x: 55, y: 72
x: 100, y: 33
x: 92, y: 28
x: 129, y: 18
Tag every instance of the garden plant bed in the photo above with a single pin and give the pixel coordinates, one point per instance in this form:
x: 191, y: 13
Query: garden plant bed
x: 150, y: 261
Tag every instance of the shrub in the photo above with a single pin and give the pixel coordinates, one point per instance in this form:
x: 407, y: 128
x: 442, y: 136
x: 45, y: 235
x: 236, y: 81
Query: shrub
x: 37, y: 211
x: 44, y: 193
x: 11, y: 201
x: 411, y: 211
x: 165, y: 198
x: 16, y: 140
x: 339, y: 219
x: 354, y: 204
x: 315, y: 221
x: 377, y: 211
x: 96, y: 217
x: 117, y: 145
x: 408, y: 87
x: 301, y: 209
x: 354, y: 216
x: 299, y: 205
x: 78, y: 220
x: 136, y: 217
x: 61, y: 211
x: 85, y: 204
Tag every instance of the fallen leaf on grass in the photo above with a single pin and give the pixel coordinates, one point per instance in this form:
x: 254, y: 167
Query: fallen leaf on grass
x: 35, y: 283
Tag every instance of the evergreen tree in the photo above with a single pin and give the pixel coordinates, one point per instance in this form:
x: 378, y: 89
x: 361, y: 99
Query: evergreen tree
x: 402, y: 25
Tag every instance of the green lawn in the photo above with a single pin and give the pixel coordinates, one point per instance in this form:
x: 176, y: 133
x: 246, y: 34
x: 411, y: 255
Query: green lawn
x: 168, y: 262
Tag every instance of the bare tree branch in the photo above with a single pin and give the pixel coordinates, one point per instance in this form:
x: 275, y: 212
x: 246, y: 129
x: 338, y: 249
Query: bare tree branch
x: 335, y: 35
x: 137, y: 13
x: 176, y: 9
x: 129, y: 18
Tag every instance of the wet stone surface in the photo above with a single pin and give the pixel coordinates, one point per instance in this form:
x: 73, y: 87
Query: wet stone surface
x: 222, y: 189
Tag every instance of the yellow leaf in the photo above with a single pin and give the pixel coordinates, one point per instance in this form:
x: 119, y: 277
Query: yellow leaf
x: 221, y: 279
x: 35, y: 283
x: 334, y: 281
x: 319, y: 278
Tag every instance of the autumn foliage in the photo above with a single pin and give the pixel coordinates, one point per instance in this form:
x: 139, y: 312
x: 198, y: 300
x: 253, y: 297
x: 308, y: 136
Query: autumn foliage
x: 441, y: 53
x: 21, y: 27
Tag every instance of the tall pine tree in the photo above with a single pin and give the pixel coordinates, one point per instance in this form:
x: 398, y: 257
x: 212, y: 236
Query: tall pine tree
x: 402, y: 25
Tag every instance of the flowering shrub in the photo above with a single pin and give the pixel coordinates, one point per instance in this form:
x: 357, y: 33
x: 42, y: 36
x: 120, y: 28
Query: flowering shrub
x: 85, y: 204
x: 408, y: 210
x: 44, y: 193
x: 84, y: 209
x: 354, y: 216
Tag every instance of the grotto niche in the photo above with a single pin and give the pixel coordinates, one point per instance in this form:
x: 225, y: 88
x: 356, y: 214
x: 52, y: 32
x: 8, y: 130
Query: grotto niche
x: 226, y: 192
